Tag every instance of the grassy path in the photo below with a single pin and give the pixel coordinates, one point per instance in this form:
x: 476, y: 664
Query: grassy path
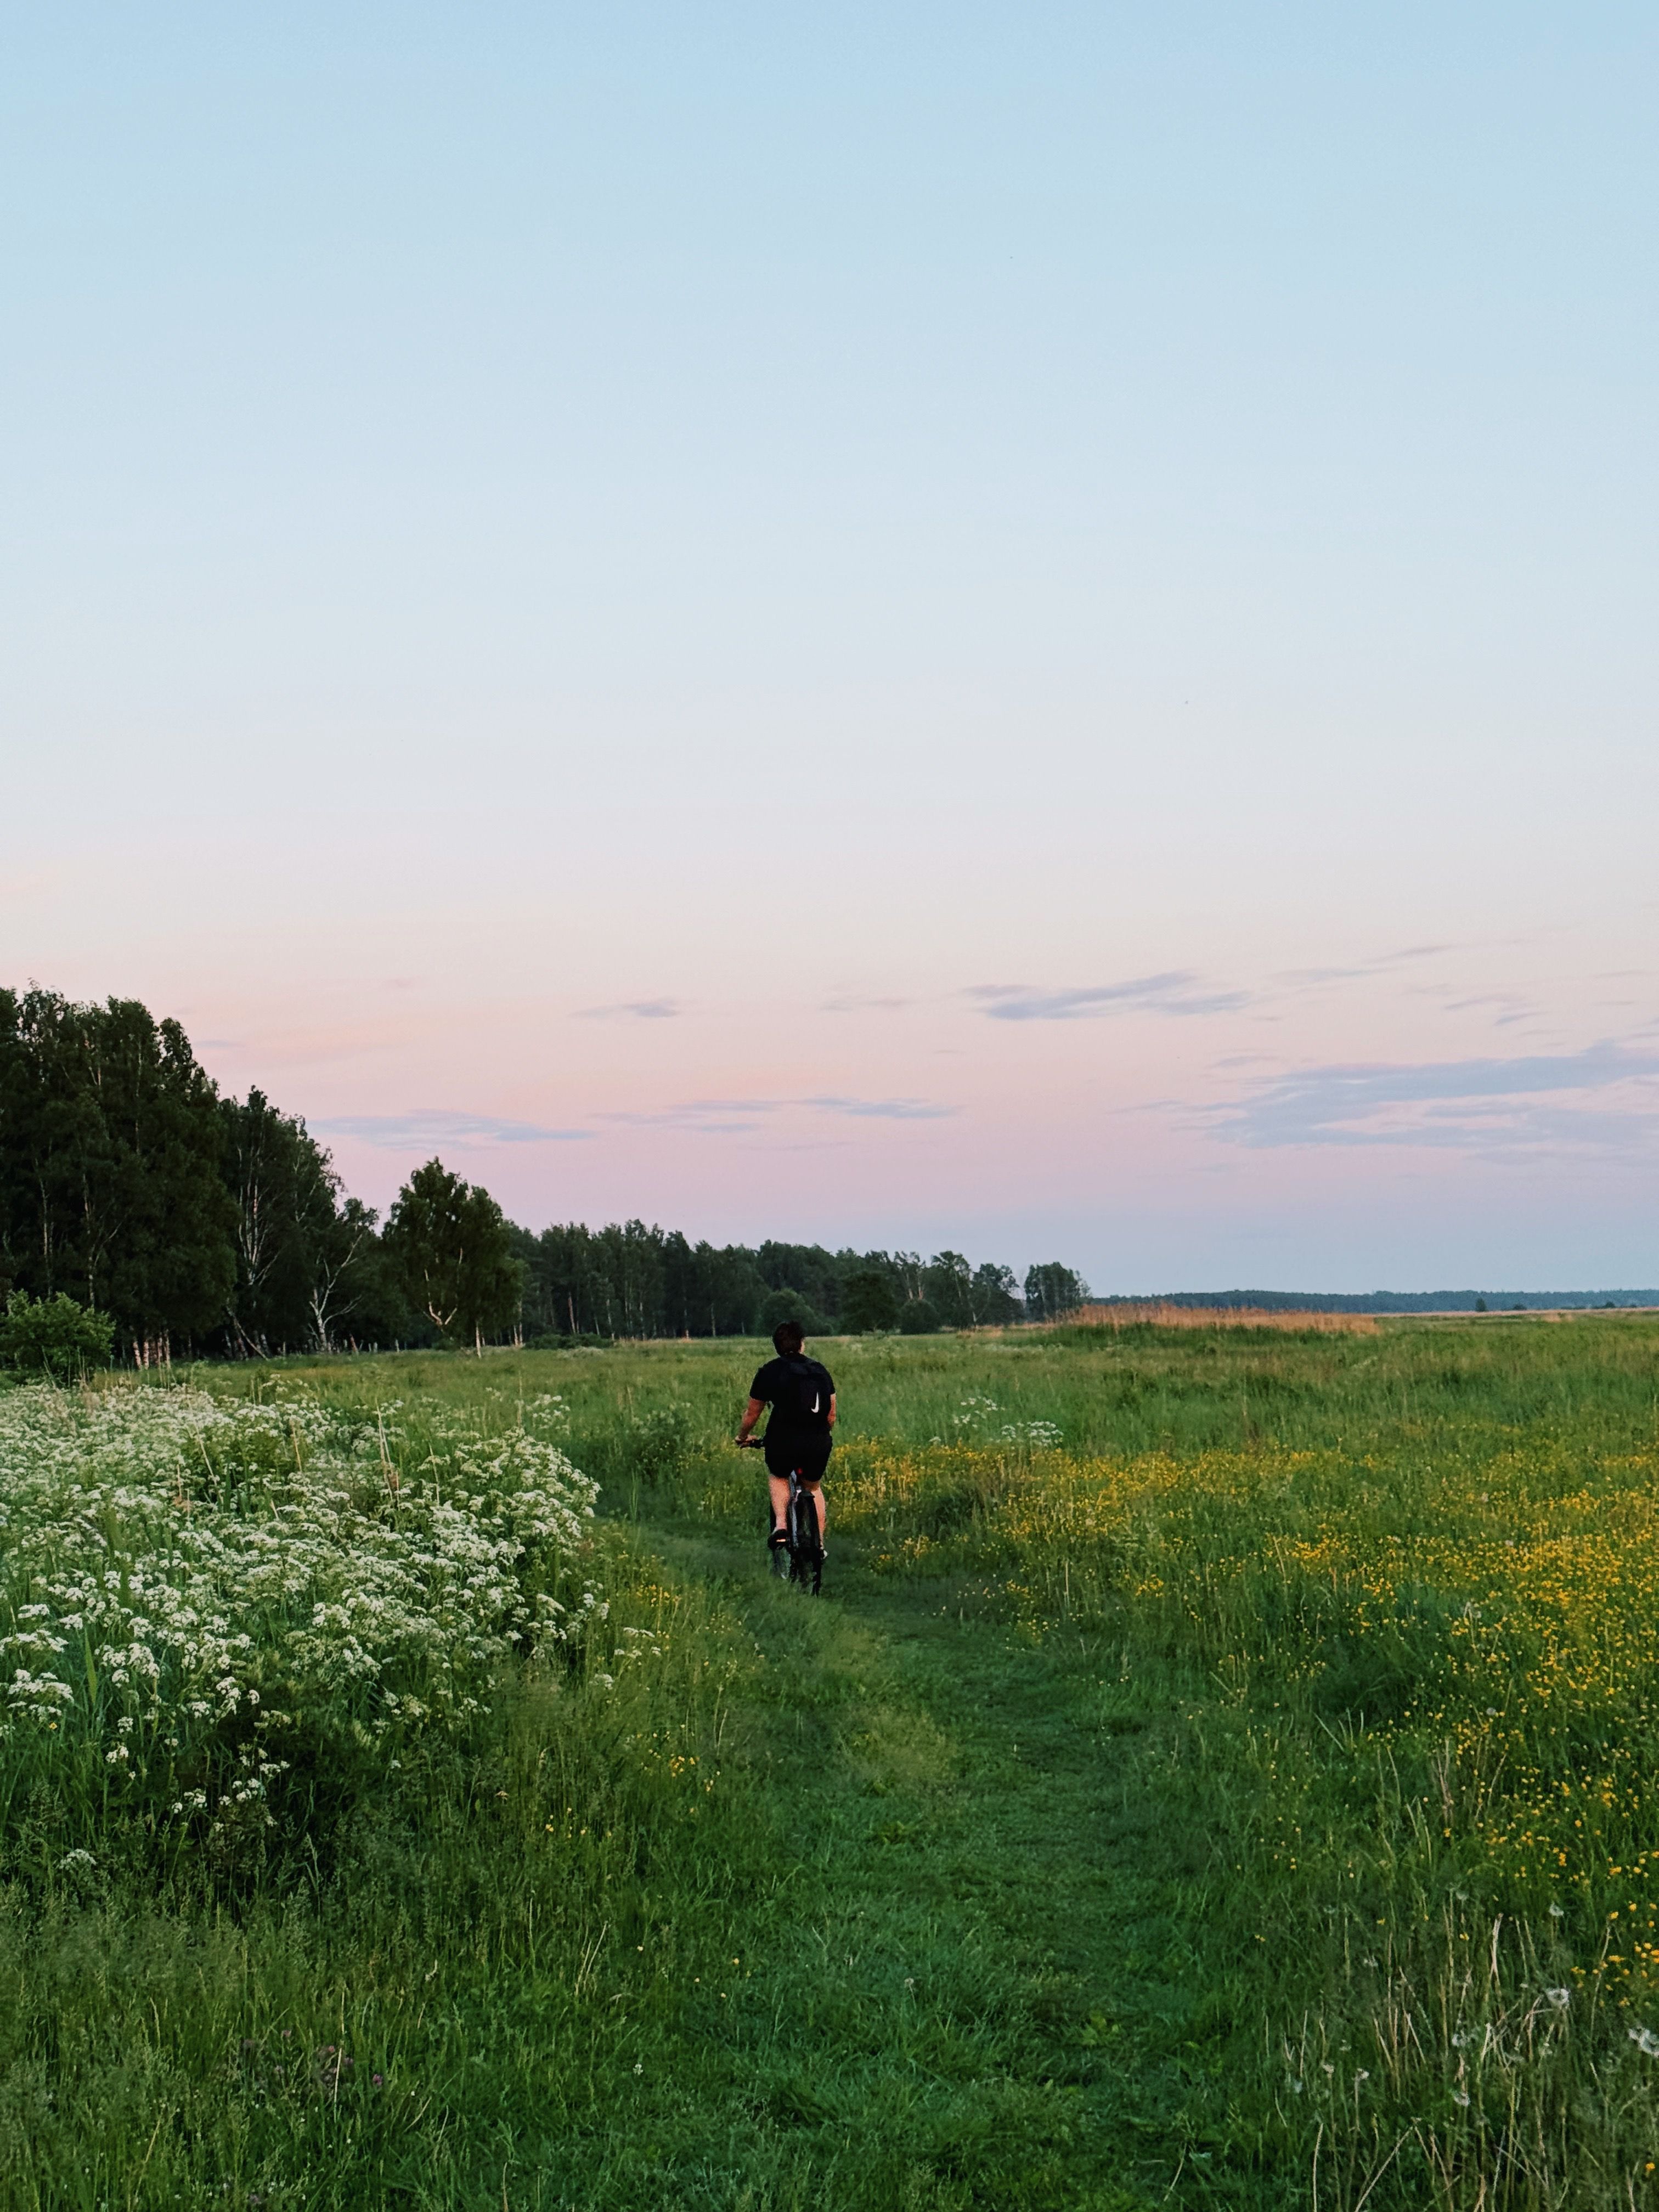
x: 976, y: 1973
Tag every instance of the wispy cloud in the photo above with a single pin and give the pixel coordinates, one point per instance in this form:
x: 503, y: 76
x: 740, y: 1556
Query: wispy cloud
x: 638, y: 1010
x: 430, y: 1125
x: 719, y: 1117
x: 881, y: 1109
x: 1176, y: 992
x: 1380, y: 964
x: 1495, y: 1106
x: 1505, y: 1007
x: 1303, y: 979
x: 737, y: 1116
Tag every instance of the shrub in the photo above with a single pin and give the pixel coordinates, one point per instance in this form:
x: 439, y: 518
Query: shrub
x: 789, y: 1305
x: 918, y: 1318
x: 54, y: 1336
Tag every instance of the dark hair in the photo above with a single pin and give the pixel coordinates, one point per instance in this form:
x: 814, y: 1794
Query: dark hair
x: 787, y: 1338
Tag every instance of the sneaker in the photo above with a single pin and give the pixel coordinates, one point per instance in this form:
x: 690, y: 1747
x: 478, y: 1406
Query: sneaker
x: 780, y: 1550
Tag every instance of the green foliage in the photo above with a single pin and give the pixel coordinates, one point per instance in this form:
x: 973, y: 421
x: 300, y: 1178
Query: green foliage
x: 808, y: 1269
x: 110, y: 1177
x: 918, y: 1318
x: 947, y: 1287
x: 309, y: 1268
x: 630, y: 1280
x: 1053, y: 1291
x: 995, y: 1296
x: 202, y: 1223
x: 451, y: 1250
x: 54, y: 1336
x: 778, y: 1306
x: 869, y: 1302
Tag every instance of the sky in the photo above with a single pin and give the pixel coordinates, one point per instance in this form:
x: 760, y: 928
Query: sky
x: 1022, y: 628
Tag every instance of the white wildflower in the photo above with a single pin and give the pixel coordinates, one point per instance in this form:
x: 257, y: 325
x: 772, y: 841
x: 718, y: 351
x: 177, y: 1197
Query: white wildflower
x: 296, y: 1565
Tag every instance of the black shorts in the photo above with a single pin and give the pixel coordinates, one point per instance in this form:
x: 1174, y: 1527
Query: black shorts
x: 806, y: 1456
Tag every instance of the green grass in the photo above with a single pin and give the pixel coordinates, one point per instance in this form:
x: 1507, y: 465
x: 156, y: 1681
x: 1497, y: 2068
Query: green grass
x: 1115, y: 1788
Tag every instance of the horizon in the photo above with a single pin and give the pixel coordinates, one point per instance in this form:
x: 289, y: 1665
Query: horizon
x: 912, y: 629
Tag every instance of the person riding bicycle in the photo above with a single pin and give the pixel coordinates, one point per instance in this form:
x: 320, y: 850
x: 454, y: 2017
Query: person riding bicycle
x: 801, y: 1392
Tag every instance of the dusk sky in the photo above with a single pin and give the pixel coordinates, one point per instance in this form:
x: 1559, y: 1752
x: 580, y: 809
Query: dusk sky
x: 1025, y: 627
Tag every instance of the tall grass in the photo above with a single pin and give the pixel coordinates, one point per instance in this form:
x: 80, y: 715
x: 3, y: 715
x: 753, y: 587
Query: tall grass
x: 501, y: 1943
x: 1372, y: 1622
x: 1160, y: 1313
x: 1422, y: 1722
x: 340, y: 1839
x: 1109, y: 1391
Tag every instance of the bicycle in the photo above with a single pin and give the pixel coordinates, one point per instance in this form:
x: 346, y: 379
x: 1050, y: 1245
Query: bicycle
x: 803, y: 1533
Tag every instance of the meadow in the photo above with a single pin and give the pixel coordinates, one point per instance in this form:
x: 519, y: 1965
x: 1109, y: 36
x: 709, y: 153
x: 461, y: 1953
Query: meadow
x: 1218, y: 1773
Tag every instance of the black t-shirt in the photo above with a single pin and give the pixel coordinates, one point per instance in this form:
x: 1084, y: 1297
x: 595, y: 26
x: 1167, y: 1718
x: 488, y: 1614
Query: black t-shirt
x: 799, y: 1391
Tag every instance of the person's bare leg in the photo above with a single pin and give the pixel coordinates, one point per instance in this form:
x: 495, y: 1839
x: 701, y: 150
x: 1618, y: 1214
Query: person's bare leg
x: 779, y: 1487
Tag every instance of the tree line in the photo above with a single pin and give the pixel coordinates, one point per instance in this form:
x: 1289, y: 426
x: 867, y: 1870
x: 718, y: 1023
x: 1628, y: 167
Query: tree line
x: 207, y: 1224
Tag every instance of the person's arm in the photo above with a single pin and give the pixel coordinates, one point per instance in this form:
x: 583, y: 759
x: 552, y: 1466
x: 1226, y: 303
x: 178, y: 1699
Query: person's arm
x: 832, y: 1409
x: 751, y: 1414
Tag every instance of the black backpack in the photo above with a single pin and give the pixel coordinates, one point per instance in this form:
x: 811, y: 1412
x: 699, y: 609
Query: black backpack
x: 804, y: 1400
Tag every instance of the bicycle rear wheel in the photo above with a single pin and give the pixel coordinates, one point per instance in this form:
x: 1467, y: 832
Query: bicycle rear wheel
x: 806, y: 1541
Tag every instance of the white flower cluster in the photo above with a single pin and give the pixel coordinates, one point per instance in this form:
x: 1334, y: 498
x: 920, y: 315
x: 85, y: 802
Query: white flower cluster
x: 974, y: 1422
x: 169, y: 1560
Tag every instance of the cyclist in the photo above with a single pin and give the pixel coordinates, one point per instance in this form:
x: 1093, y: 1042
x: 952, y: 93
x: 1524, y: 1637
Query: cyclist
x: 801, y: 1392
